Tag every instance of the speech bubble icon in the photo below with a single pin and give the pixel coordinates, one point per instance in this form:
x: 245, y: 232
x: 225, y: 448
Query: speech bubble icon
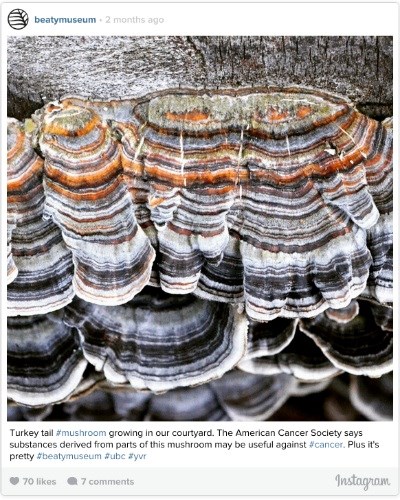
x: 14, y: 480
x: 72, y: 481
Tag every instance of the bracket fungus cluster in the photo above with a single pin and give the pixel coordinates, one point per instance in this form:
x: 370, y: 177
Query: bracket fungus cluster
x: 196, y: 255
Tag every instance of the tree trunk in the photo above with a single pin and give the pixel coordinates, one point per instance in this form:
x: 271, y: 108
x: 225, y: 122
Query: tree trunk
x: 42, y: 69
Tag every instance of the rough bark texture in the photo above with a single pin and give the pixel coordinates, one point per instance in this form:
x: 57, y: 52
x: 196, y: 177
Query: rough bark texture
x: 41, y: 69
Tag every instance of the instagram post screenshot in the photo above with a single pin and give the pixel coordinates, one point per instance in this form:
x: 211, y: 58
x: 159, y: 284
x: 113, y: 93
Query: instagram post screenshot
x: 200, y: 238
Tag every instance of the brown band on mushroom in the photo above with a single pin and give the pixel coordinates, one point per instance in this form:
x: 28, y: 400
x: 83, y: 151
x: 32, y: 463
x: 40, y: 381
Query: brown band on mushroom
x: 44, y: 264
x: 87, y: 199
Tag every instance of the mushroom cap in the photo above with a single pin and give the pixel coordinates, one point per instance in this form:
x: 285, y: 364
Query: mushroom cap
x: 301, y: 358
x: 359, y: 346
x: 269, y: 338
x: 158, y: 342
x: 236, y: 396
x: 357, y: 339
x: 373, y: 397
x: 344, y: 314
x: 87, y: 199
x: 36, y: 248
x: 380, y: 236
x: 245, y: 396
x: 45, y: 362
x: 227, y: 177
x: 311, y: 401
x: 278, y: 198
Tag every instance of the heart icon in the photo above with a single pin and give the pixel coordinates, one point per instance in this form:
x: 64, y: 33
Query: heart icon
x: 14, y: 480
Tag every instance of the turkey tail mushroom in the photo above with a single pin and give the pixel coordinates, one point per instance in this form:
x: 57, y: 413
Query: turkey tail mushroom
x: 36, y: 248
x: 45, y: 362
x: 159, y: 342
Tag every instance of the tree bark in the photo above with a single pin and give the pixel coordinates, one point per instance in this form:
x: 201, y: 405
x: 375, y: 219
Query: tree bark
x: 42, y: 69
